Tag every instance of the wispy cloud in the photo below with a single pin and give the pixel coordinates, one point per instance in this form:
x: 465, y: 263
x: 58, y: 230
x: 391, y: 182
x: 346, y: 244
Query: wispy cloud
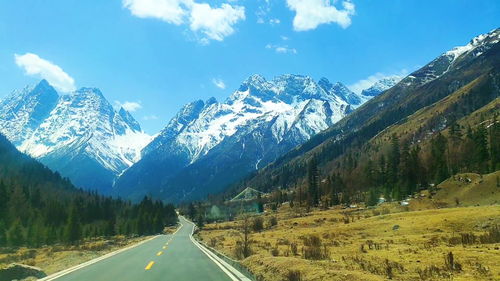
x: 129, y: 106
x: 367, y: 82
x: 263, y: 10
x: 274, y: 21
x: 219, y: 83
x: 214, y: 23
x: 34, y: 65
x: 282, y: 49
x: 149, y: 117
x: 309, y: 14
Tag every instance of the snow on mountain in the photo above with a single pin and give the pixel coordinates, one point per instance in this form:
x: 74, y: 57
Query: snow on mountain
x: 380, y: 86
x: 257, y: 123
x: 257, y: 102
x: 23, y: 111
x: 62, y: 130
x: 439, y: 66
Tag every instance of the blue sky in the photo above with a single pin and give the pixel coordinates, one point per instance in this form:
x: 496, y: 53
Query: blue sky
x: 160, y: 54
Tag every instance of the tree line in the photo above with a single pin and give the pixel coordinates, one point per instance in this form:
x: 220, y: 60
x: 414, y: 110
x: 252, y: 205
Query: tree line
x: 394, y: 169
x: 401, y: 168
x: 39, y: 207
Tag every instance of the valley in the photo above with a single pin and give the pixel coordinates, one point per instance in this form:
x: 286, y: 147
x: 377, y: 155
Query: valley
x: 389, y: 241
x: 202, y: 154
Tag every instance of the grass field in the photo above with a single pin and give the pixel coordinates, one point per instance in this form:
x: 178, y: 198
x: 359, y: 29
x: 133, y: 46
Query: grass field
x: 390, y: 241
x: 55, y: 258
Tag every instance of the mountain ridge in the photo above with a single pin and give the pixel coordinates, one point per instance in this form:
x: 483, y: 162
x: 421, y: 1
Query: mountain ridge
x: 266, y: 117
x: 79, y: 134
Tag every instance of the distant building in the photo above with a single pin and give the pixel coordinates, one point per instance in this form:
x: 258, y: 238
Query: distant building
x: 381, y: 200
x: 247, y: 194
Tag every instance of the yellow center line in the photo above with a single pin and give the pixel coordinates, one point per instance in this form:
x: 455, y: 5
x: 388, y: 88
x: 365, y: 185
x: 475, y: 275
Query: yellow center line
x: 150, y: 264
x: 159, y: 253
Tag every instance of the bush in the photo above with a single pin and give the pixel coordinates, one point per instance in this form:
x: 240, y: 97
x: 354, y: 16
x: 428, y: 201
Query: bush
x: 272, y: 221
x: 293, y: 275
x: 451, y: 264
x: 257, y: 224
x: 313, y: 249
x: 240, y: 251
x: 492, y: 236
x: 293, y: 249
x: 275, y: 251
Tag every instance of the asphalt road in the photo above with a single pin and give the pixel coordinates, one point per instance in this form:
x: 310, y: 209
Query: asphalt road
x: 167, y: 257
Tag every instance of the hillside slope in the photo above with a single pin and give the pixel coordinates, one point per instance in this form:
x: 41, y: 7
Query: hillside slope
x: 39, y: 207
x: 452, y: 86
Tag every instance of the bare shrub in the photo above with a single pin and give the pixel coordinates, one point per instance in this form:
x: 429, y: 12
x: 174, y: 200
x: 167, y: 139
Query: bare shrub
x: 242, y: 248
x: 450, y: 263
x: 481, y: 269
x: 492, y: 236
x: 388, y: 269
x: 293, y: 248
x: 272, y: 221
x: 468, y: 238
x: 213, y: 242
x: 240, y: 251
x: 430, y: 272
x: 293, y: 275
x: 275, y: 251
x: 257, y: 224
x: 313, y: 249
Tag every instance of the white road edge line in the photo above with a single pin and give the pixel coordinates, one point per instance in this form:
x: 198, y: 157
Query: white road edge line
x: 98, y: 259
x: 234, y: 274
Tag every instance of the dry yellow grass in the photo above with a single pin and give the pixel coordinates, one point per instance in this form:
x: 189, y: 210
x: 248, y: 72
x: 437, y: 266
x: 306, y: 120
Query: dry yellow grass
x: 52, y: 259
x: 376, y: 243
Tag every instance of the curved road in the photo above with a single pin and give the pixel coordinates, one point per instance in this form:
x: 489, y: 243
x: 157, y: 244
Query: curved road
x: 166, y: 257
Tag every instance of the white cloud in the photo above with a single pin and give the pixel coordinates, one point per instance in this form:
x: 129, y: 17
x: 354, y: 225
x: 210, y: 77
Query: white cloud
x: 274, y: 21
x: 129, y: 106
x: 219, y: 83
x: 282, y: 49
x: 262, y: 11
x: 170, y: 11
x: 370, y: 80
x: 309, y: 14
x: 149, y: 117
x: 34, y: 65
x: 284, y: 38
x: 214, y: 23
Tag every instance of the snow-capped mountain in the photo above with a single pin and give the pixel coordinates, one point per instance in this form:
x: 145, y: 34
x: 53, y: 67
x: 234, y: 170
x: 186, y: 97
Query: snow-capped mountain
x: 381, y: 85
x: 78, y: 134
x: 223, y: 141
x: 442, y: 64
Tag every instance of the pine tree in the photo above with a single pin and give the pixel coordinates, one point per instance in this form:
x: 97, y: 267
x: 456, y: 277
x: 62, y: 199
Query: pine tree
x: 438, y: 154
x: 372, y: 198
x: 495, y: 144
x: 200, y: 221
x: 3, y: 239
x: 313, y: 182
x: 394, y: 160
x: 481, y: 155
x: 191, y: 211
x: 4, y: 199
x: 260, y: 204
x: 72, y: 230
x: 15, y: 234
